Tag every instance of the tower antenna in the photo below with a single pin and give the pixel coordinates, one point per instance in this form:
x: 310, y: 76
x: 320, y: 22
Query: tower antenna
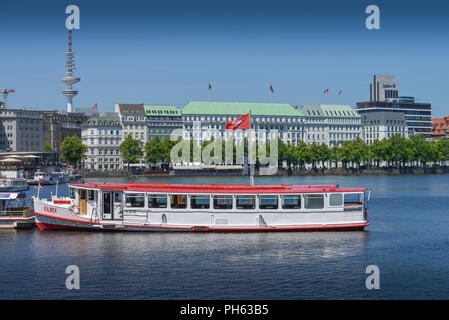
x: 69, y: 79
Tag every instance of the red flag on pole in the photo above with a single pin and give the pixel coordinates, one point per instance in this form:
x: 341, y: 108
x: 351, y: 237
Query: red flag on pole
x: 95, y: 106
x: 239, y: 123
x: 271, y: 88
x: 326, y: 91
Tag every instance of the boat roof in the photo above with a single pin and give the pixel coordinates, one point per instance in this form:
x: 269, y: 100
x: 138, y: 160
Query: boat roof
x: 11, y: 195
x: 213, y: 188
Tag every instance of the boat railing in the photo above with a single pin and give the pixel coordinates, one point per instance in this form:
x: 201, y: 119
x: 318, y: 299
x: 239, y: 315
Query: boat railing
x: 23, y: 211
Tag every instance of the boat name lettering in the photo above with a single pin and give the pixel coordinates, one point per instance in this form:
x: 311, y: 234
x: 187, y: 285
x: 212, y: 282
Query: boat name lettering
x: 50, y: 209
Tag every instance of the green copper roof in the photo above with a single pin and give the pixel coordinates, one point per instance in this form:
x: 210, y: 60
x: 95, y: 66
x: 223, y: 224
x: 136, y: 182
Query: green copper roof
x: 327, y: 110
x: 240, y: 108
x: 159, y: 110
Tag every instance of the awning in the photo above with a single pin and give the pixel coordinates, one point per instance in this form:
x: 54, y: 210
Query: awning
x: 8, y: 195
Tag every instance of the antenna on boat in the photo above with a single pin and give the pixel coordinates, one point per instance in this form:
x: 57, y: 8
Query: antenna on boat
x: 57, y: 180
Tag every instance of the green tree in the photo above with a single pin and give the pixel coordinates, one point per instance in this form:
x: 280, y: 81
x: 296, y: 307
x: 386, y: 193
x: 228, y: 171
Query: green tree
x: 314, y: 154
x: 422, y: 150
x: 443, y: 148
x: 47, y: 147
x: 130, y: 150
x: 302, y: 154
x: 334, y: 156
x: 325, y: 153
x: 154, y: 151
x: 73, y: 149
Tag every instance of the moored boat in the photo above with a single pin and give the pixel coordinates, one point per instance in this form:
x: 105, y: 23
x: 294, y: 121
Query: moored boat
x: 217, y: 207
x: 14, y: 213
x: 44, y: 178
x: 13, y: 184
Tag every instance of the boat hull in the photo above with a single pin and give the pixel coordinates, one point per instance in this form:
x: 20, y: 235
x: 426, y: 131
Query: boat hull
x: 11, y: 222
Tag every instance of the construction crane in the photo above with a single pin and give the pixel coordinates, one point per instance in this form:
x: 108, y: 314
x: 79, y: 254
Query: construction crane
x: 5, y: 93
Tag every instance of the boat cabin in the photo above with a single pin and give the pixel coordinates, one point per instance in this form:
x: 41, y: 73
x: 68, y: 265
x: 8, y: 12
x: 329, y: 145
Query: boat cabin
x: 120, y: 201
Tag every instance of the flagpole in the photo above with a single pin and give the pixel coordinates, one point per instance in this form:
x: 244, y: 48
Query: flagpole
x: 250, y: 153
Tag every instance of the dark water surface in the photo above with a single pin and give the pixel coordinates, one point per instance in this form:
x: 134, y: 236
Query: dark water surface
x: 408, y: 240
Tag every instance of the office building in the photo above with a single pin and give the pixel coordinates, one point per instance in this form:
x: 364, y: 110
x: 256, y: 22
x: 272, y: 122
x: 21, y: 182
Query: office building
x: 384, y: 97
x: 102, y: 135
x: 380, y: 125
x: 60, y: 124
x: 162, y: 120
x: 204, y: 120
x: 21, y: 130
x: 330, y: 124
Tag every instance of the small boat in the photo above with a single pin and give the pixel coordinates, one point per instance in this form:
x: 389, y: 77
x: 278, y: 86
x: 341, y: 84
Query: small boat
x: 216, y: 207
x: 14, y: 213
x: 44, y: 178
x: 60, y: 177
x: 13, y: 184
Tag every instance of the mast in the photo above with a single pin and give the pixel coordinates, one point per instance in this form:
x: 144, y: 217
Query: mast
x: 250, y: 153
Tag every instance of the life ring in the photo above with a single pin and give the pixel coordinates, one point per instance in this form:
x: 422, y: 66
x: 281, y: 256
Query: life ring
x: 75, y: 209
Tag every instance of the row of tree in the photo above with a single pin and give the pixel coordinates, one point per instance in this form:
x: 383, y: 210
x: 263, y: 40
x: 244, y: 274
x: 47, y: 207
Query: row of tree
x: 395, y: 151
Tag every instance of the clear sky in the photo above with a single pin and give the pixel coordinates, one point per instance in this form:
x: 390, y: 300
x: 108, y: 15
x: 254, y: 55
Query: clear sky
x: 166, y: 52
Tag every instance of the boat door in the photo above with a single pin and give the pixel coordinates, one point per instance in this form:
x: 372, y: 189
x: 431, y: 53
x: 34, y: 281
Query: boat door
x: 107, y: 205
x: 112, y: 205
x: 83, y: 201
x: 118, y: 206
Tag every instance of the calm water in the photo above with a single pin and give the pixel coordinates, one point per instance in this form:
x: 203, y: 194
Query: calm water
x: 408, y: 240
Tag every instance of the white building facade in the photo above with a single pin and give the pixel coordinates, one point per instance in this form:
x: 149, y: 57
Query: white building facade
x: 102, y: 135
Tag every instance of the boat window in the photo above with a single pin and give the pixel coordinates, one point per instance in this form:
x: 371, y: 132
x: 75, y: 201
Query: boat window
x: 117, y: 197
x: 200, y: 201
x: 291, y: 201
x: 246, y: 202
x: 315, y: 201
x: 82, y: 194
x: 268, y: 202
x: 72, y: 193
x: 353, y: 199
x: 135, y: 200
x: 157, y: 201
x: 223, y: 202
x: 178, y: 201
x: 335, y: 199
x: 91, y: 195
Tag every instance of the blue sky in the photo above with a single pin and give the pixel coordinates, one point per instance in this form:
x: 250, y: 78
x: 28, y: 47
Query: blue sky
x: 167, y: 52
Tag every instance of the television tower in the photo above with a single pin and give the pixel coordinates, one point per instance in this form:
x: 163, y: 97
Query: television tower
x: 69, y: 79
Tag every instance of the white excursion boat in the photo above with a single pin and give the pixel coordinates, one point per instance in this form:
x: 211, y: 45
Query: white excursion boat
x: 14, y: 212
x: 216, y: 207
x: 44, y: 178
x: 13, y: 184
